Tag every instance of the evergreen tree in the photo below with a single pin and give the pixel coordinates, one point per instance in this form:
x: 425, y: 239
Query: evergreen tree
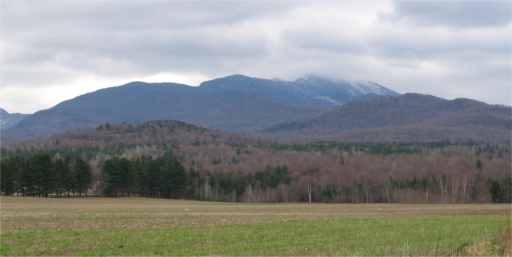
x: 11, y: 170
x: 475, y: 187
x: 62, y: 174
x: 127, y: 176
x: 111, y: 177
x: 172, y: 176
x: 119, y: 177
x: 39, y: 178
x: 83, y: 177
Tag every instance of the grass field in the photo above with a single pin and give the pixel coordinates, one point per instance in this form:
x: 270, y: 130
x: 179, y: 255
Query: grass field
x: 138, y: 226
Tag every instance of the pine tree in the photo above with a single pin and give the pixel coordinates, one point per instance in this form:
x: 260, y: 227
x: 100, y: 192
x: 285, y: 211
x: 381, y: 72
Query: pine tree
x: 172, y: 176
x: 83, y: 177
x: 11, y: 170
x: 61, y: 170
x: 39, y: 176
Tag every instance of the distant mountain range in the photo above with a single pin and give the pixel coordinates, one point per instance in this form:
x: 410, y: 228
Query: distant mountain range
x: 309, y: 108
x: 405, y: 118
x: 8, y: 120
x: 234, y: 103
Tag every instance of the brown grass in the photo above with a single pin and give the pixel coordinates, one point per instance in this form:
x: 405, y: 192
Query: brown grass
x: 30, y: 213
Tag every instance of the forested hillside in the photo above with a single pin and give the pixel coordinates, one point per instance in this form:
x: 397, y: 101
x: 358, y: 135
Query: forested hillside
x: 178, y: 160
x: 405, y: 118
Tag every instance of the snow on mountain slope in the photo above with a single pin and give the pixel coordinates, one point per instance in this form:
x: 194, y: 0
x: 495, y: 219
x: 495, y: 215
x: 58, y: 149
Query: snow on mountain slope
x: 339, y: 91
x: 368, y: 87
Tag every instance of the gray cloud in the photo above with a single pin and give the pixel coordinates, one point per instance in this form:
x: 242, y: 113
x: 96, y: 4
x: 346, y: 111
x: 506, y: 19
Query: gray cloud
x: 456, y: 13
x: 426, y: 47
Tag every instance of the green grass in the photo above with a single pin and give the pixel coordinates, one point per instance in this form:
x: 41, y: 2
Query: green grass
x: 200, y: 228
x: 331, y: 236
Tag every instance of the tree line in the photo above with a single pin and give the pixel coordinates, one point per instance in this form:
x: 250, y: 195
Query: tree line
x: 165, y: 177
x: 51, y: 175
x: 161, y: 177
x: 44, y: 175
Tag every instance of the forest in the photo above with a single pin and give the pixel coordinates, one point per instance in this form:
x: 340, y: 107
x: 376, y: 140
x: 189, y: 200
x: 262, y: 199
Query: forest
x: 44, y: 175
x: 176, y: 160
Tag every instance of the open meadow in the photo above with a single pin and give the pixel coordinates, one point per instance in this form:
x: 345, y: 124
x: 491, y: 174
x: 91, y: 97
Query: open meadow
x: 142, y: 226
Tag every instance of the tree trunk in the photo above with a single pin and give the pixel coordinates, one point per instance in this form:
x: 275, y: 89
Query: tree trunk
x: 309, y: 193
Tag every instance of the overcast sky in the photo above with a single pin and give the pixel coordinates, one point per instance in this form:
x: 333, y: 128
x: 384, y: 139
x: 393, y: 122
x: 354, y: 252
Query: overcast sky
x: 51, y: 51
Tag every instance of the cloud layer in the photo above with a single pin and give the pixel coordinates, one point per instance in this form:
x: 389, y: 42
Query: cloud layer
x: 54, y: 50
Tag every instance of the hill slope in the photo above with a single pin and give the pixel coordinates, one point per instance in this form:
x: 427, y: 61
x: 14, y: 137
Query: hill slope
x: 408, y: 117
x: 228, y: 167
x: 233, y: 103
x: 8, y: 120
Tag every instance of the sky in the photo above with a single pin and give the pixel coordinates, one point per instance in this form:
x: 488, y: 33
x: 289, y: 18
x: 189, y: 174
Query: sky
x: 52, y: 50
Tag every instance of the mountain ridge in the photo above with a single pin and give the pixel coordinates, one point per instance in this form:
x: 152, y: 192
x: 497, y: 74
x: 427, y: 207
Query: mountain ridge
x: 8, y: 120
x: 407, y: 117
x: 232, y: 103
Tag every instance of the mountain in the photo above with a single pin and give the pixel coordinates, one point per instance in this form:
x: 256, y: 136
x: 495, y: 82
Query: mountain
x: 8, y: 120
x: 405, y: 118
x: 233, y: 103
